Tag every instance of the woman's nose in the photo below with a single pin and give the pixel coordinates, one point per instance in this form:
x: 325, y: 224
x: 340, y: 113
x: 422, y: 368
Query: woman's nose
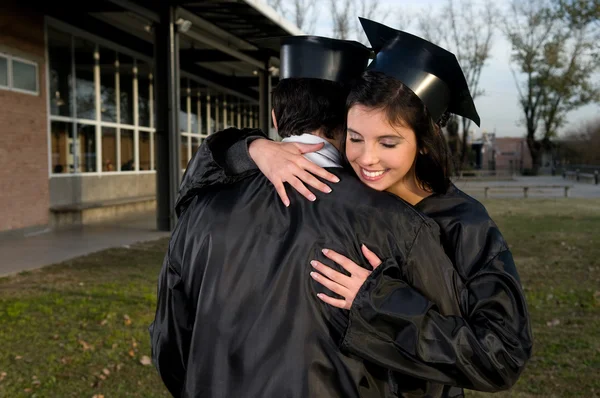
x: 369, y: 157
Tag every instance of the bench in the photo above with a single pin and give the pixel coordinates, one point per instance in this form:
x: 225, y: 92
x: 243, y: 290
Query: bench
x: 485, y: 175
x: 578, y: 176
x: 526, y: 188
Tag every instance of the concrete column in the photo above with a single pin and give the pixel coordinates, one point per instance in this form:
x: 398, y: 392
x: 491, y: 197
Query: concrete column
x: 168, y: 171
x: 264, y: 99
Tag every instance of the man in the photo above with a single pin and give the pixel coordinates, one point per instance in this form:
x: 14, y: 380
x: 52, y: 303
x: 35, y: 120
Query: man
x: 238, y: 313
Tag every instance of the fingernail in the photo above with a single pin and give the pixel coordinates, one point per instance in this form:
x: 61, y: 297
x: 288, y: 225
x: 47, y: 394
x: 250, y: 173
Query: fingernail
x: 314, y: 275
x: 312, y: 198
x: 329, y: 190
x: 325, y: 251
x: 335, y: 179
x: 286, y: 203
x: 319, y: 295
x: 313, y: 263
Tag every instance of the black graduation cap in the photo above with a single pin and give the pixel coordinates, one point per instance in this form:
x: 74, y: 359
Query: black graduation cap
x: 319, y: 57
x: 430, y: 71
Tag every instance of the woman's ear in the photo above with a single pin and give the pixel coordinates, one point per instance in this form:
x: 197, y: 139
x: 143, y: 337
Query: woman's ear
x: 274, y: 118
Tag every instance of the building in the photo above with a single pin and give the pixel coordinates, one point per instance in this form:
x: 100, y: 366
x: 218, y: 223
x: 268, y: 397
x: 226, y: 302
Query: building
x: 508, y: 155
x: 512, y: 155
x: 103, y: 103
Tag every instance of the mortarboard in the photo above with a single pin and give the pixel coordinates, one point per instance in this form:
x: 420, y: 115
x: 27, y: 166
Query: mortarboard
x: 319, y: 57
x: 430, y: 71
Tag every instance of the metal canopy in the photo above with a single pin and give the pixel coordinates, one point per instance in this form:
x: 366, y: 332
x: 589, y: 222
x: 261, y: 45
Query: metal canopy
x: 250, y: 20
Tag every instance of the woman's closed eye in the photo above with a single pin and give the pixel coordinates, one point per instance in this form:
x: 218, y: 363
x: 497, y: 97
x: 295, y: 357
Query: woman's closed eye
x: 355, y: 139
x: 389, y: 143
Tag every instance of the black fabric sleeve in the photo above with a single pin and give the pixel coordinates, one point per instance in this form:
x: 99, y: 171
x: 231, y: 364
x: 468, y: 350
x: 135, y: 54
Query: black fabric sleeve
x: 170, y: 332
x: 485, y: 347
x: 237, y: 158
x: 211, y: 165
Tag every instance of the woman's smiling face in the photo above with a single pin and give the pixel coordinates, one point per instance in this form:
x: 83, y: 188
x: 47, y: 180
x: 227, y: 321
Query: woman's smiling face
x: 383, y: 156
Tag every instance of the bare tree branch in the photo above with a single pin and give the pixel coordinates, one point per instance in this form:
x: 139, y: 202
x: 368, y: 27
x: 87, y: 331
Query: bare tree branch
x: 341, y: 14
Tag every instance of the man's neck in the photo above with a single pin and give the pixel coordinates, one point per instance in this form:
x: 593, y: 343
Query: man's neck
x: 335, y: 143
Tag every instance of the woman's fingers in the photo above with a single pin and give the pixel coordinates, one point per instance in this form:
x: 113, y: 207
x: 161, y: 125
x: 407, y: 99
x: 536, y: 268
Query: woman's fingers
x: 343, y: 261
x: 280, y: 188
x: 329, y: 284
x: 305, y: 148
x: 331, y: 273
x: 317, y: 170
x: 371, y: 257
x: 312, y: 181
x: 334, y: 302
x: 298, y: 186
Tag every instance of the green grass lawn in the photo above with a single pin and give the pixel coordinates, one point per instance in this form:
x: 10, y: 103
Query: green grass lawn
x: 79, y: 329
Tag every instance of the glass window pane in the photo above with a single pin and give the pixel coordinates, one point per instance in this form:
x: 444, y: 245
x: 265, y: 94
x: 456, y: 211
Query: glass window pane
x: 183, y: 106
x: 194, y: 108
x: 184, y: 151
x: 144, y: 75
x: 126, y: 88
x: 24, y: 76
x: 210, y: 114
x: 108, y: 88
x: 155, y: 143
x: 218, y: 114
x: 3, y: 71
x: 86, y: 142
x: 196, y: 141
x: 62, y: 160
x: 144, y: 150
x: 61, y: 83
x: 109, y: 149
x: 85, y: 92
x: 127, y: 159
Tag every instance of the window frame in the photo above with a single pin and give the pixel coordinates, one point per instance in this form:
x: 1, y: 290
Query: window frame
x: 9, y: 70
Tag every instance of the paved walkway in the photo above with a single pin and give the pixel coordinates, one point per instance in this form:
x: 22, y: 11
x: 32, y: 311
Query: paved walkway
x: 578, y: 190
x: 49, y: 247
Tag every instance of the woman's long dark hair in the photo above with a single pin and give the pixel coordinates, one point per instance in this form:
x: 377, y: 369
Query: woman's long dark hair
x: 376, y: 90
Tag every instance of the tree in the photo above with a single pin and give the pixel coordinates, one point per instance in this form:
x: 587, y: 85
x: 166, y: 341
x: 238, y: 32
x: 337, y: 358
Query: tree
x: 341, y: 16
x: 369, y: 9
x: 582, y: 146
x: 345, y: 13
x: 553, y: 48
x: 302, y: 12
x: 467, y: 31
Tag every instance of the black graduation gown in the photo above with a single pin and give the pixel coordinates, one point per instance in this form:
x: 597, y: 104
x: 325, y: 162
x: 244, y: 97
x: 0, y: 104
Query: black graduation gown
x: 486, y: 348
x: 237, y: 312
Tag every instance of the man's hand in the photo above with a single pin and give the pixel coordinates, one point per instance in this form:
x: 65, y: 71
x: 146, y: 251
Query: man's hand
x: 283, y: 162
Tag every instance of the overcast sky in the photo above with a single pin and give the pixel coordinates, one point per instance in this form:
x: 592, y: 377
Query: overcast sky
x: 498, y: 108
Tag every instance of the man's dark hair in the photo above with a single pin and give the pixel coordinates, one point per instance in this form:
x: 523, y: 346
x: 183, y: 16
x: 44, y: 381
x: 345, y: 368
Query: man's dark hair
x: 402, y: 107
x: 304, y: 105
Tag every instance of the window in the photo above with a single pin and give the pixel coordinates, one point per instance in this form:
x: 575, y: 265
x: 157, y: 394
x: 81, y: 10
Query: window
x: 101, y: 104
x: 18, y: 74
x: 3, y: 72
x: 85, y: 91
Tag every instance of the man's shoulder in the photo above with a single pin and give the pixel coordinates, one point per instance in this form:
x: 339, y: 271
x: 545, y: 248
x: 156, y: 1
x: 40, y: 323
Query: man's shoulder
x: 352, y: 193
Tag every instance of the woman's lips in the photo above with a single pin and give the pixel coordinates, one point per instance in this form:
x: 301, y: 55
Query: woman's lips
x: 372, y: 175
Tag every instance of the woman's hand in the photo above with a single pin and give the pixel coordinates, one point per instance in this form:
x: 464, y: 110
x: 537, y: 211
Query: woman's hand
x: 345, y: 286
x: 283, y: 162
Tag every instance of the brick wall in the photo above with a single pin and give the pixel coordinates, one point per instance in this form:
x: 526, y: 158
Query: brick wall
x: 24, y: 192
x: 512, y: 154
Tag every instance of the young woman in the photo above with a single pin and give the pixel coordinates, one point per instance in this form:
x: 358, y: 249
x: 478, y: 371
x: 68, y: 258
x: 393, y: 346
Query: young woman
x: 394, y: 144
